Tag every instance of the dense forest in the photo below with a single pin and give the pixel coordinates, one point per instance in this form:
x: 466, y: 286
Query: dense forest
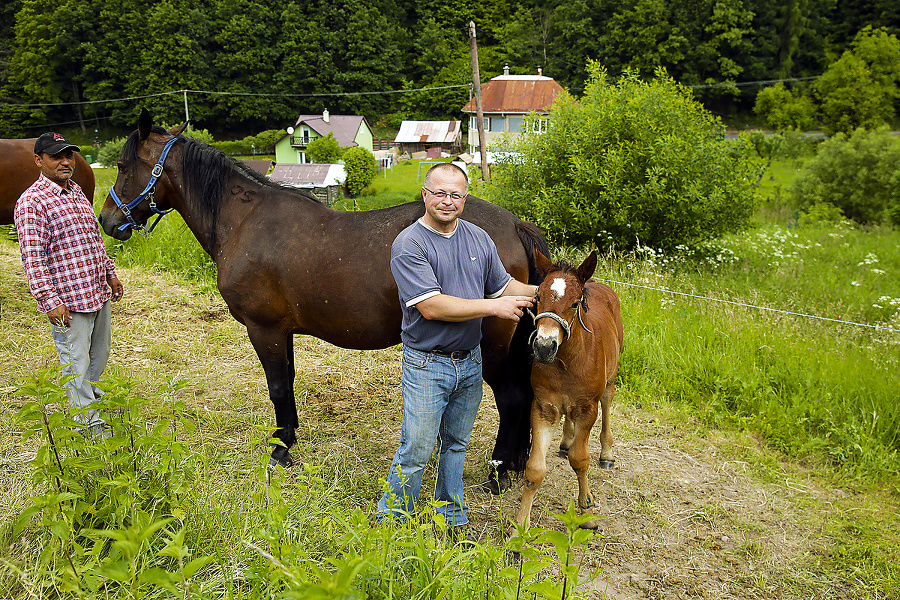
x: 250, y: 65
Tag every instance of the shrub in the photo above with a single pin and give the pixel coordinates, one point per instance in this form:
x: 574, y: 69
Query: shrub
x: 861, y: 87
x: 629, y: 161
x: 853, y: 174
x: 110, y: 152
x: 361, y: 169
x: 782, y: 110
x: 324, y: 150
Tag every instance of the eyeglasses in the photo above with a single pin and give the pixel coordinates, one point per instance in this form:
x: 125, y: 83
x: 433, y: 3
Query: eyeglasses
x: 441, y: 195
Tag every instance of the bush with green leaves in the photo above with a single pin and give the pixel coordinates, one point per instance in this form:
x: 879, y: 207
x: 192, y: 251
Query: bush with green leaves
x: 110, y: 152
x: 325, y: 150
x: 784, y: 111
x: 855, y: 174
x: 361, y: 169
x: 630, y: 162
x: 862, y: 87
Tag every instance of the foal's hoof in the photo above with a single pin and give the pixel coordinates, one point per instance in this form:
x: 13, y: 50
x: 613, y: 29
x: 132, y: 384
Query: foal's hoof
x: 563, y: 452
x: 497, y: 482
x: 606, y: 464
x: 281, y: 456
x: 593, y: 524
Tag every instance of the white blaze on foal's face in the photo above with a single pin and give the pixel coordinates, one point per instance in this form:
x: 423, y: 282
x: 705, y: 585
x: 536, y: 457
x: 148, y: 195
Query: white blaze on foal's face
x: 559, y: 287
x: 548, y: 328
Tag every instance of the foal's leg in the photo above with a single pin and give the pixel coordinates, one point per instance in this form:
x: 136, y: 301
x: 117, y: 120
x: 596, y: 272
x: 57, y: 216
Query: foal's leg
x: 275, y: 350
x: 607, y: 458
x: 580, y: 457
x: 536, y: 468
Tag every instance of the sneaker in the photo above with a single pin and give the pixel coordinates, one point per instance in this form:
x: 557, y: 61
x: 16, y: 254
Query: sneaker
x: 461, y: 534
x: 97, y: 430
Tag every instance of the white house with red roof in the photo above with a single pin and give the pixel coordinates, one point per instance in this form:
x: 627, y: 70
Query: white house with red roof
x: 506, y: 100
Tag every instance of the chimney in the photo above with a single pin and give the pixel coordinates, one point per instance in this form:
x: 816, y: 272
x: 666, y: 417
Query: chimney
x: 506, y: 69
x: 325, y: 116
x: 540, y: 71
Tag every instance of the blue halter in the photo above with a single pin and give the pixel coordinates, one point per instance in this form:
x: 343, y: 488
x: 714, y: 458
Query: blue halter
x: 148, y: 192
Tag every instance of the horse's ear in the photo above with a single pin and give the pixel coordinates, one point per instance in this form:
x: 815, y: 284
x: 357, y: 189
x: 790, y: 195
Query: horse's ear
x: 587, y: 267
x: 176, y: 131
x: 145, y: 124
x: 543, y: 264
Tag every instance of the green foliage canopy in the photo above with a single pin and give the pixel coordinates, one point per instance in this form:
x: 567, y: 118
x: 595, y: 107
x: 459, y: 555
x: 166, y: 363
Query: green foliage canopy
x: 324, y: 150
x: 783, y: 111
x: 361, y: 168
x: 861, y: 88
x: 632, y: 162
x: 856, y: 174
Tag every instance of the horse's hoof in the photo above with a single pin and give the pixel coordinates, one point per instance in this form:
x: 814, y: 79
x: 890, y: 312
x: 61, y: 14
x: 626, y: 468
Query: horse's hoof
x: 497, y: 482
x: 281, y: 456
x: 606, y: 464
x: 563, y: 452
x: 593, y: 524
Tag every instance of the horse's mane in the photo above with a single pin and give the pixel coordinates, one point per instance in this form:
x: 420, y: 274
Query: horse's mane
x: 205, y: 170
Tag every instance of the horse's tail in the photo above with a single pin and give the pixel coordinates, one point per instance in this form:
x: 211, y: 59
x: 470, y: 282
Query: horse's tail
x: 520, y: 350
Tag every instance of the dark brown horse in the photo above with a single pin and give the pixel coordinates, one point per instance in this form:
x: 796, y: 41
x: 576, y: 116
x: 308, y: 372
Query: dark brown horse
x: 288, y: 265
x: 576, y: 350
x: 18, y: 171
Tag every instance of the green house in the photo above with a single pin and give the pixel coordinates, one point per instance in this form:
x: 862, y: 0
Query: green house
x: 348, y: 130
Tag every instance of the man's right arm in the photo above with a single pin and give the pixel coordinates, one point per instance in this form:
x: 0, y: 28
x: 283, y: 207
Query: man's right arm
x: 442, y: 307
x: 34, y: 234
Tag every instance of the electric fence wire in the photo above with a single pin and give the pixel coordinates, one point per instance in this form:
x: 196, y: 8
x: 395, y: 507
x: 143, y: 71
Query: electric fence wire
x: 774, y: 310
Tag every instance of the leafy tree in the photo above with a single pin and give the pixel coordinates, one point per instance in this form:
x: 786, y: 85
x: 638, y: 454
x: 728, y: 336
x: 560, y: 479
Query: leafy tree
x: 324, y: 150
x: 361, y: 168
x: 854, y: 173
x: 630, y: 162
x: 861, y: 88
x: 782, y: 110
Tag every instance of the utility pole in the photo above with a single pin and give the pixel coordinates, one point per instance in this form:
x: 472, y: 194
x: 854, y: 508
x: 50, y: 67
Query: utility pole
x: 187, y: 116
x: 479, y: 114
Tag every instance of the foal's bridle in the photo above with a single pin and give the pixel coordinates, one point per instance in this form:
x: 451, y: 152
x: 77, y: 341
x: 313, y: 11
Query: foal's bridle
x: 566, y: 325
x: 147, y: 193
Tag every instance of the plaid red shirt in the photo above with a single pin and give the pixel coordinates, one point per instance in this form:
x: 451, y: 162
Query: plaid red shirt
x: 63, y: 254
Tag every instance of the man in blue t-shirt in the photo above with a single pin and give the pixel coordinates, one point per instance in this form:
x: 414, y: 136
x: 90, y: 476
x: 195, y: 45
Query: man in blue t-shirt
x: 449, y: 277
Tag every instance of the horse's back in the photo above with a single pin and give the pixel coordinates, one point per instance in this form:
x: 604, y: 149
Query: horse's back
x: 18, y: 171
x: 604, y: 317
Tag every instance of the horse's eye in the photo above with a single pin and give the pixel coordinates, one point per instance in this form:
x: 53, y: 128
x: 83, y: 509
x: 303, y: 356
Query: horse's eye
x: 575, y: 305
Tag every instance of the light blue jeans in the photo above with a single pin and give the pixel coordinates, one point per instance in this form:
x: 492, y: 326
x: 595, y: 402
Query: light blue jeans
x: 84, y: 347
x: 440, y: 402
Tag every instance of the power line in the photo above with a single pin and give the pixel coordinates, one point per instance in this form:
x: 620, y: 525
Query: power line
x: 251, y: 94
x: 748, y: 83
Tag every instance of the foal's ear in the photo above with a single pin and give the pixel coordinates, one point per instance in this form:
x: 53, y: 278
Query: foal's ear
x: 587, y: 267
x: 543, y: 264
x: 145, y: 124
x: 176, y: 131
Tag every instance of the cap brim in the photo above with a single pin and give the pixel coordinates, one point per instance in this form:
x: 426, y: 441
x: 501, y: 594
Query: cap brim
x: 60, y: 148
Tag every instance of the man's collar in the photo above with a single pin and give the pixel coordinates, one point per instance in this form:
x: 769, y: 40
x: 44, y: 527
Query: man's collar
x: 447, y: 235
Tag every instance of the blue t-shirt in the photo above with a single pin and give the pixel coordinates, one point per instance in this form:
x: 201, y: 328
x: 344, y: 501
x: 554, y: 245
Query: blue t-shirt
x: 464, y: 264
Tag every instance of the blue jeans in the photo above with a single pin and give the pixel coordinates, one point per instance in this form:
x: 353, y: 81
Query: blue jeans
x: 440, y: 402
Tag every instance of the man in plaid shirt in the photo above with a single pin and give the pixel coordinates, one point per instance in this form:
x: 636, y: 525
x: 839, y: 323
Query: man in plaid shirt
x: 68, y: 271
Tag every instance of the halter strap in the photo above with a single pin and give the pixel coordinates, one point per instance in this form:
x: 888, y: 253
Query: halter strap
x: 148, y: 192
x: 566, y: 326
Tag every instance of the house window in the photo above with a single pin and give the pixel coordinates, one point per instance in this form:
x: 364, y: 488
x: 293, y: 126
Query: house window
x: 539, y: 125
x: 516, y: 124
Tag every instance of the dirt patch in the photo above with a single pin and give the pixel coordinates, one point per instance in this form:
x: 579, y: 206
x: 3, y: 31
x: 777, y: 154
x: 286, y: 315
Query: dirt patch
x: 687, y: 513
